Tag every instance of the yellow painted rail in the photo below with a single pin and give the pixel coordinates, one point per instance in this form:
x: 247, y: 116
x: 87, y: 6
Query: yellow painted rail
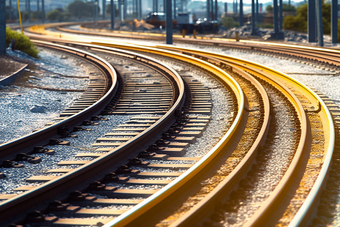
x: 301, y: 217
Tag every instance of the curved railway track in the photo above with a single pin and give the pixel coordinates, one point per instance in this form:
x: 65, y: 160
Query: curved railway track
x: 263, y: 212
x: 311, y: 121
x: 326, y: 57
x: 39, y: 194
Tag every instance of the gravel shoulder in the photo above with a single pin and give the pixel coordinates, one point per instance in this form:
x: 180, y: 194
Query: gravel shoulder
x: 8, y: 66
x: 44, y: 89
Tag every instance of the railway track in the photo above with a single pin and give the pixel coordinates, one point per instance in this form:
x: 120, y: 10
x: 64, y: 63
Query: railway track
x: 224, y: 195
x: 324, y: 58
x: 162, y: 74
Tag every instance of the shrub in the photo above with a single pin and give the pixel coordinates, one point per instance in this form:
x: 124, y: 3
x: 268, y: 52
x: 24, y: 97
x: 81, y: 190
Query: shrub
x: 22, y: 42
x: 228, y: 22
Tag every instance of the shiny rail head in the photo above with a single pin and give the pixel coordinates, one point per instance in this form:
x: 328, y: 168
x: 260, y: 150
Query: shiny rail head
x: 108, y: 94
x: 154, y: 129
x: 141, y: 208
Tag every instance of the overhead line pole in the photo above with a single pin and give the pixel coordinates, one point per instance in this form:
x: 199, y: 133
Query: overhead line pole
x: 120, y: 17
x: 10, y: 10
x: 216, y: 9
x: 29, y: 10
x: 241, y: 13
x: 276, y: 27
x: 334, y: 21
x: 311, y: 21
x: 43, y: 10
x: 168, y: 9
x: 253, y: 31
x: 104, y: 9
x: 281, y: 17
x: 319, y: 21
x: 140, y: 12
x: 2, y: 27
x: 175, y: 9
x: 257, y: 11
x: 113, y: 9
x: 208, y: 10
x: 19, y: 12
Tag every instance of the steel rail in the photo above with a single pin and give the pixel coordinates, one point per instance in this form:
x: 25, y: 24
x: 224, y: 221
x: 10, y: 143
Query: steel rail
x: 314, y: 53
x: 211, y: 201
x: 306, y: 209
x: 30, y: 140
x: 78, y: 176
x: 326, y: 55
x: 136, y: 212
x: 310, y: 201
x: 146, y: 205
x: 261, y: 216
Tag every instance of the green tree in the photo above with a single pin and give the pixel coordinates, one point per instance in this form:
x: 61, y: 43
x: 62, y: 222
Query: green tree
x: 299, y: 22
x: 56, y: 14
x: 81, y: 9
x: 288, y: 8
x: 269, y: 8
x: 228, y: 22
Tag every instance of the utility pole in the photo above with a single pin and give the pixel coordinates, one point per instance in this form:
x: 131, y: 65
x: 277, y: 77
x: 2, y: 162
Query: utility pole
x: 216, y: 9
x: 281, y: 17
x: 241, y: 13
x: 253, y: 31
x: 168, y: 9
x: 120, y: 10
x: 257, y: 11
x: 38, y: 9
x: 10, y: 9
x: 236, y: 6
x: 334, y: 21
x: 95, y: 11
x: 29, y: 10
x: 319, y: 21
x: 276, y: 27
x: 208, y: 10
x: 104, y: 9
x: 2, y: 27
x: 43, y: 10
x: 311, y: 21
x: 233, y: 6
x: 225, y: 9
x: 125, y: 9
x: 113, y: 9
x: 175, y: 9
x: 140, y: 12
